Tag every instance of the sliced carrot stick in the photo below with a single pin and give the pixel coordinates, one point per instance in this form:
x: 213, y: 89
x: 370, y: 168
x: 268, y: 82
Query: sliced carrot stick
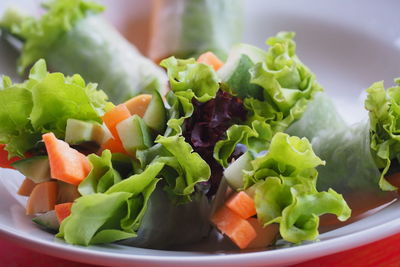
x: 4, y: 161
x: 265, y: 235
x: 26, y: 187
x: 242, y: 204
x: 239, y: 230
x: 138, y: 104
x: 115, y: 146
x: 63, y: 211
x: 43, y: 198
x: 211, y: 59
x: 66, y: 163
x: 115, y: 116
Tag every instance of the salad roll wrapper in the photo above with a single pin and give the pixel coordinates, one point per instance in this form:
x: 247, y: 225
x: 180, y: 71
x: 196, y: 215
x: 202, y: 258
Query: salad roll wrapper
x: 320, y: 117
x: 166, y: 224
x: 100, y: 54
x: 74, y: 38
x: 187, y: 28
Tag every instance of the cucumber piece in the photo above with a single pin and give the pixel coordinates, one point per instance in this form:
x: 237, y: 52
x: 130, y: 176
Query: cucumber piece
x: 155, y: 116
x: 48, y: 221
x: 134, y: 134
x: 234, y: 173
x: 235, y: 72
x: 66, y: 192
x: 36, y: 168
x: 78, y: 131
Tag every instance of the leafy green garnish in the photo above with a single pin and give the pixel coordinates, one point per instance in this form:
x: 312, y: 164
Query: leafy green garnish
x: 43, y: 104
x: 384, y: 114
x: 285, y: 179
x: 113, y: 215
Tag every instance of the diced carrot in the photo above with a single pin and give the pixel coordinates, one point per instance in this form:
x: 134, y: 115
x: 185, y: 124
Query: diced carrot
x: 42, y: 198
x: 63, y: 211
x: 242, y: 204
x: 138, y: 104
x: 115, y: 146
x: 26, y: 187
x: 115, y: 116
x: 265, y: 235
x: 4, y: 161
x: 66, y: 163
x: 239, y: 230
x: 211, y: 59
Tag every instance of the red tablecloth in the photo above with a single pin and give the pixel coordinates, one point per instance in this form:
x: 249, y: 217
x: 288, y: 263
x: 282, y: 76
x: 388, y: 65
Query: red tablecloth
x: 385, y: 252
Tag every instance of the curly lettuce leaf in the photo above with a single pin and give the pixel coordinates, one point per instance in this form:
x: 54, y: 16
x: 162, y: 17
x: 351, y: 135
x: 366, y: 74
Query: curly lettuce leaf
x: 189, y: 168
x: 296, y: 207
x: 288, y: 156
x: 256, y: 137
x: 40, y: 34
x: 288, y: 84
x: 188, y: 80
x: 43, y: 104
x: 281, y: 87
x: 113, y: 215
x: 285, y: 179
x: 384, y: 113
x: 187, y: 74
x: 102, y: 175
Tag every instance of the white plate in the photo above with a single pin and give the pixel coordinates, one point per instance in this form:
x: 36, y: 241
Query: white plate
x: 348, y: 45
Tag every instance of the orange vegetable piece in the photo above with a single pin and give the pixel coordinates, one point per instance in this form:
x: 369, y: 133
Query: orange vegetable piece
x: 242, y: 204
x: 138, y: 104
x: 265, y: 235
x: 211, y: 59
x: 63, y: 211
x: 115, y: 116
x: 115, y: 146
x: 4, y: 161
x: 239, y: 230
x: 26, y: 187
x: 43, y: 198
x: 66, y: 163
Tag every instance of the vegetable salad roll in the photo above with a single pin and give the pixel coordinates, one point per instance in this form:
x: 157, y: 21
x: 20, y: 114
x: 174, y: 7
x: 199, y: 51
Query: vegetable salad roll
x: 74, y: 38
x: 186, y: 28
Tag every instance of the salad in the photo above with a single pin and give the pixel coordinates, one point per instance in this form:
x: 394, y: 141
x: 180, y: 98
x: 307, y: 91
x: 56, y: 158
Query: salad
x: 243, y: 145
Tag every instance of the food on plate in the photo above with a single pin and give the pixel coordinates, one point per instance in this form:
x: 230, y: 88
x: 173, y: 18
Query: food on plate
x: 161, y: 167
x: 74, y: 38
x: 56, y: 126
x: 188, y: 28
x: 277, y: 187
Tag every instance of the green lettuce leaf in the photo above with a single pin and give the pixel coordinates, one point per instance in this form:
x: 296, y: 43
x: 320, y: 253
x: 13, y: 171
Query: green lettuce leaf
x: 280, y: 88
x: 40, y: 34
x: 113, y: 215
x: 102, y: 175
x: 43, y: 104
x: 188, y: 79
x: 189, y: 166
x: 384, y: 114
x: 288, y: 84
x: 256, y: 138
x: 285, y: 181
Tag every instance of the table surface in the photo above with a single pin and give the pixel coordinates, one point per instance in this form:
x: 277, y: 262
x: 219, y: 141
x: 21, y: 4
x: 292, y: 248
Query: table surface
x: 385, y: 252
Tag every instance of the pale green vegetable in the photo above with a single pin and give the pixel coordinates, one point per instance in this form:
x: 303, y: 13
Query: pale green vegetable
x: 74, y: 38
x: 44, y: 103
x: 286, y: 193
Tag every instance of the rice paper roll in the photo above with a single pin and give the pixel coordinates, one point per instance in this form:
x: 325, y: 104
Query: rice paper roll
x: 73, y: 38
x: 187, y: 28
